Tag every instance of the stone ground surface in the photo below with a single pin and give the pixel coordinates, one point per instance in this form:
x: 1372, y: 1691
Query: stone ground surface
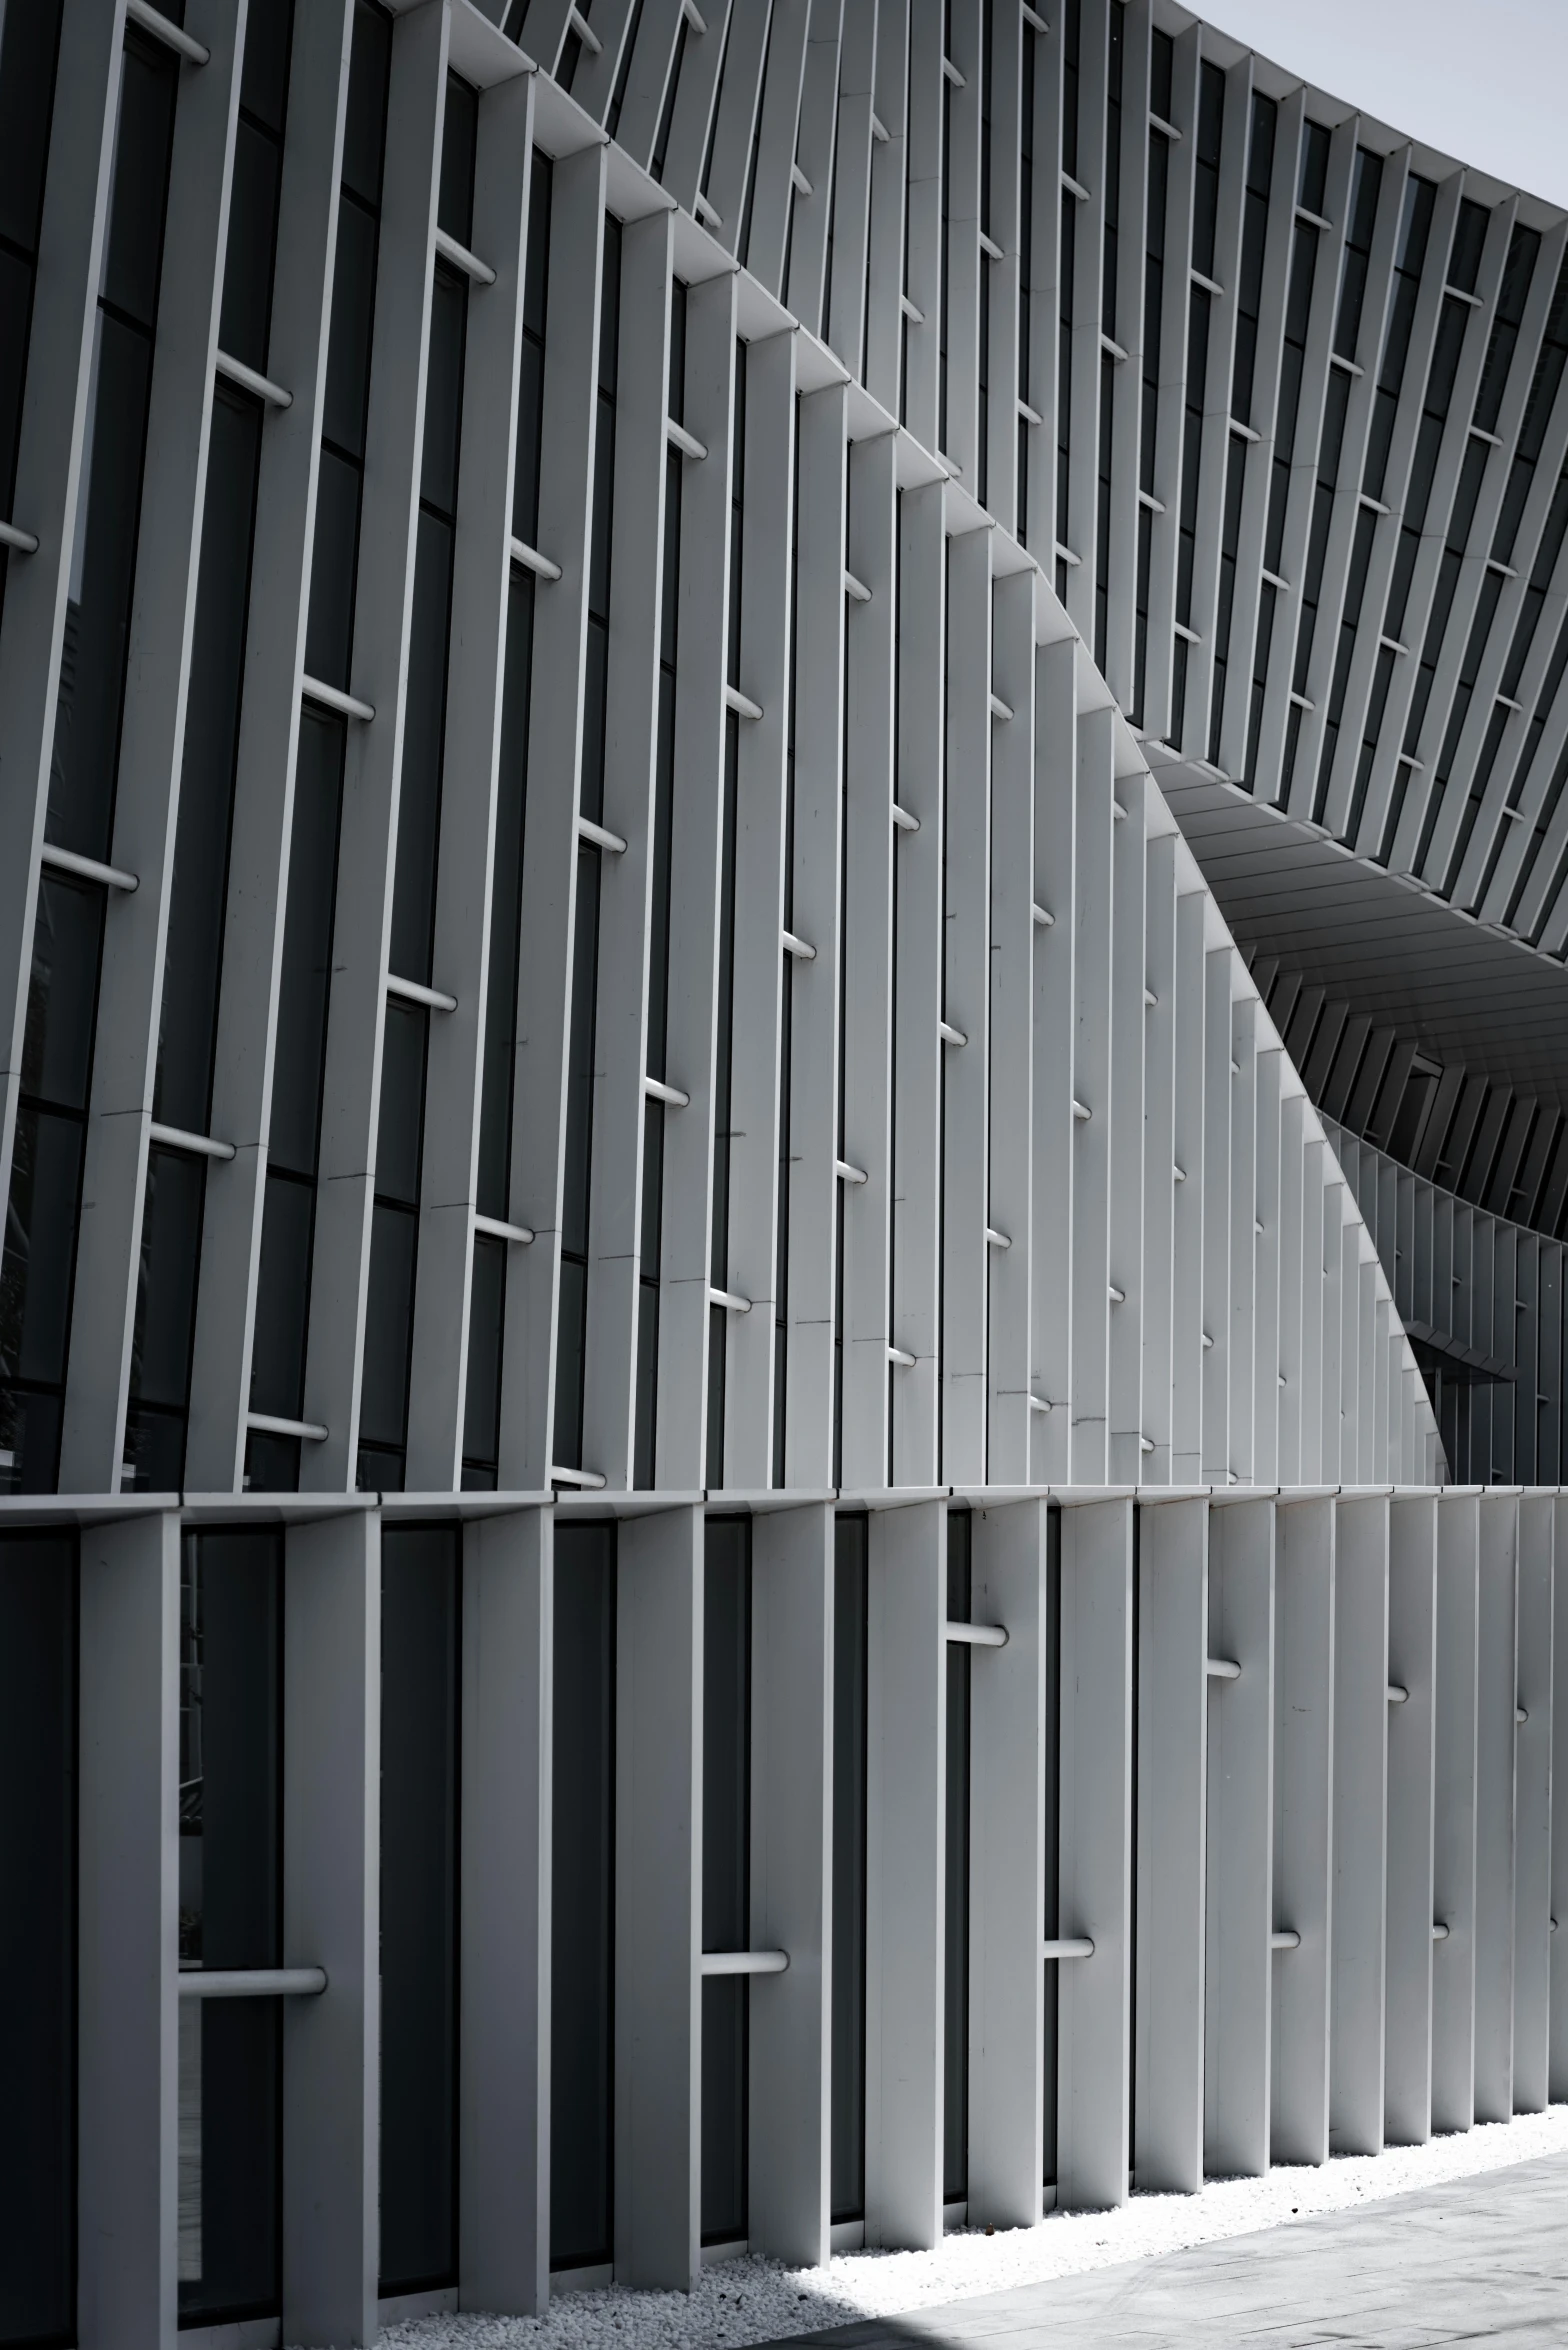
x: 1463, y: 2239
x: 1482, y: 2259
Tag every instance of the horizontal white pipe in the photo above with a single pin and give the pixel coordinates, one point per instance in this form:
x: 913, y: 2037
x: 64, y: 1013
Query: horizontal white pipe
x: 1223, y: 1668
x: 1285, y: 1938
x: 995, y: 1239
x: 1439, y: 1933
x: 1520, y: 1715
x: 903, y: 819
x: 896, y: 1354
x: 414, y: 991
x: 848, y: 1174
x: 729, y: 1299
x: 22, y: 541
x: 666, y: 1093
x: 261, y: 386
x: 744, y: 1962
x: 1000, y: 709
x: 87, y: 868
x: 799, y: 182
x: 460, y: 258
x: 797, y: 947
x: 172, y: 36
x: 531, y: 560
x: 856, y: 588
x: 949, y: 1034
x: 975, y: 1635
x: 1118, y: 1297
x: 253, y: 1982
x: 195, y: 1146
x: 579, y: 24
x: 1081, y: 1109
x: 589, y: 1479
x: 1067, y: 1946
x: 331, y: 697
x: 1046, y: 921
x: 687, y: 442
x: 269, y: 1424
x: 495, y: 1229
x: 600, y: 835
x: 1396, y: 1695
x: 1038, y: 1403
x: 742, y: 704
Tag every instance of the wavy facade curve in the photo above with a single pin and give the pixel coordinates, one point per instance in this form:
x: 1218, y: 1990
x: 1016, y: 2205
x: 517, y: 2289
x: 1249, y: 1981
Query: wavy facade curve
x: 779, y: 874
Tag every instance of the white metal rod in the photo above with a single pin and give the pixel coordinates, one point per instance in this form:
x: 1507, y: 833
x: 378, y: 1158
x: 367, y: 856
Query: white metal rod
x: 975, y: 1635
x: 331, y: 697
x: 1223, y: 1668
x: 896, y: 1354
x: 600, y: 835
x: 23, y: 541
x: 414, y: 991
x: 848, y: 1174
x: 1081, y: 1109
x: 1067, y: 1946
x: 87, y: 868
x: 172, y: 36
x: 687, y: 442
x: 589, y: 1479
x: 1046, y: 921
x: 1001, y: 709
x: 196, y: 1146
x: 744, y: 1962
x: 729, y: 1299
x: 461, y: 258
x: 497, y: 1230
x: 253, y: 1982
x: 589, y: 38
x: 666, y: 1093
x: 1439, y: 1933
x: 995, y: 1239
x: 1286, y: 1938
x: 262, y: 386
x: 741, y: 704
x: 949, y: 1034
x: 531, y: 560
x: 269, y: 1424
x: 856, y: 588
x: 797, y: 947
x: 1396, y: 1695
x: 903, y: 819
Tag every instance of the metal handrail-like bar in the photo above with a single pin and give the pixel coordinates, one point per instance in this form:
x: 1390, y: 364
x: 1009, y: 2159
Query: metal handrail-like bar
x: 495, y: 1228
x: 1284, y: 1938
x: 162, y: 28
x: 1222, y: 1668
x: 460, y: 258
x: 975, y: 1635
x: 20, y: 541
x: 414, y: 991
x: 261, y: 387
x: 590, y: 1480
x: 666, y: 1093
x: 87, y: 868
x: 253, y: 1982
x: 1397, y: 1695
x: 195, y: 1146
x: 1067, y: 1946
x: 272, y: 1424
x: 744, y: 1962
x: 332, y: 697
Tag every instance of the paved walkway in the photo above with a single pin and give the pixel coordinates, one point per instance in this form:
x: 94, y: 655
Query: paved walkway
x: 1479, y: 2260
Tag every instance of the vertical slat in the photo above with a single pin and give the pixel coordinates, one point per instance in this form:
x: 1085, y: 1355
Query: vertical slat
x: 152, y: 733
x: 905, y: 1764
x: 476, y: 669
x: 1360, y: 1825
x: 1054, y: 1015
x: 1094, y: 2054
x: 1218, y: 1098
x: 504, y: 1880
x: 1412, y: 1666
x: 1303, y: 1827
x: 1533, y: 1804
x: 1240, y: 1843
x: 1157, y: 1420
x: 966, y: 854
x: 1557, y: 2054
x: 1497, y: 1697
x: 658, y: 1898
x: 127, y: 1949
x: 1092, y: 963
x: 1129, y: 1029
x: 394, y: 439
x: 1011, y: 1024
x: 791, y: 1880
x: 332, y: 1919
x: 1454, y: 1842
x: 1168, y: 1999
x: 1008, y: 1731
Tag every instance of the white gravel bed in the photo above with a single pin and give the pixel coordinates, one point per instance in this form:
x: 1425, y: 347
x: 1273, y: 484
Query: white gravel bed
x: 755, y: 2300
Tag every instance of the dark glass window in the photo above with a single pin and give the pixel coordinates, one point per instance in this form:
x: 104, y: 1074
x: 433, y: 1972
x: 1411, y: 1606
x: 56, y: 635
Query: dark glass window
x: 582, y: 1902
x: 29, y: 54
x: 231, y: 1915
x: 421, y: 1610
x: 848, y: 1990
x: 253, y: 196
x: 1365, y: 186
x: 726, y: 1871
x: 38, y: 1745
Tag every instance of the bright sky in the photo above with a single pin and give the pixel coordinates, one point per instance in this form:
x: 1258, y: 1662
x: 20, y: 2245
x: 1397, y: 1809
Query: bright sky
x: 1482, y: 80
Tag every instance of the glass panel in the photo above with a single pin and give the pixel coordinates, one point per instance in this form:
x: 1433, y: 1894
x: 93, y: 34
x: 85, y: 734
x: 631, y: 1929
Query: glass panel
x: 582, y: 1905
x: 420, y: 1623
x: 231, y: 1909
x: 38, y: 1945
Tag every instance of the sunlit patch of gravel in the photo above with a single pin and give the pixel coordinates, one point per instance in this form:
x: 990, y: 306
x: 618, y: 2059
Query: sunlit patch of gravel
x: 755, y: 2300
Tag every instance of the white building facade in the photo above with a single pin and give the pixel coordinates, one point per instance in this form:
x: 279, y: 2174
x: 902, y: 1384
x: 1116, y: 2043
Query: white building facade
x: 781, y: 1349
